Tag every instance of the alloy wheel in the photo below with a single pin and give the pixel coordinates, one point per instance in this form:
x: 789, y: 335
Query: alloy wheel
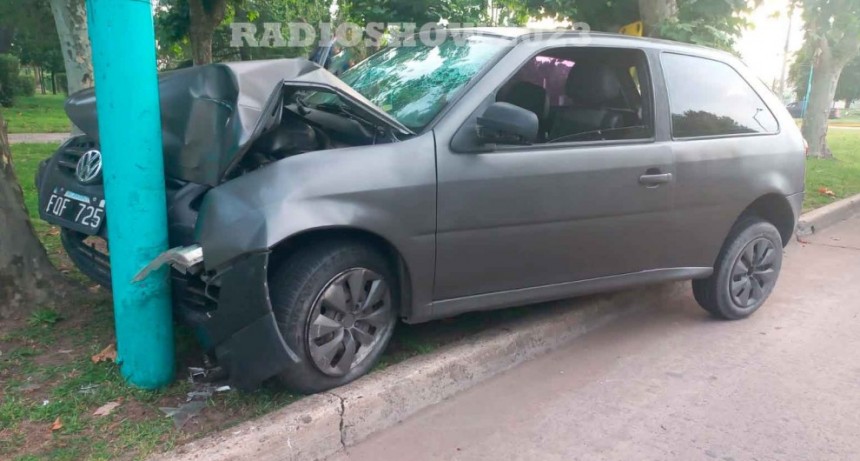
x: 753, y: 275
x: 349, y: 319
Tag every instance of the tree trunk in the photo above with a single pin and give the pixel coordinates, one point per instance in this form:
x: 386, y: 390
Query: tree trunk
x: 848, y: 103
x: 203, y: 23
x: 6, y: 34
x: 826, y: 70
x: 70, y: 17
x: 654, y: 12
x: 41, y: 77
x: 27, y: 278
x: 201, y: 46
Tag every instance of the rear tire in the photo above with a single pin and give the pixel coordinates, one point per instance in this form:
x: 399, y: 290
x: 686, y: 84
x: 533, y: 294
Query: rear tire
x: 336, y: 305
x: 746, y: 272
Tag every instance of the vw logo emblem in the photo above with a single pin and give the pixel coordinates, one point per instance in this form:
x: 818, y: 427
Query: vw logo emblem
x: 89, y: 168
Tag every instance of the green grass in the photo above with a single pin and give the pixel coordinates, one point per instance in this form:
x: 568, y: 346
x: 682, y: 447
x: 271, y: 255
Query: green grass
x: 46, y: 373
x: 26, y: 159
x: 36, y: 393
x: 840, y: 175
x: 37, y: 114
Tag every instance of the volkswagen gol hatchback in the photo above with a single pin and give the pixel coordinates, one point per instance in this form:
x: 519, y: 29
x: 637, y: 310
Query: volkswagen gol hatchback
x: 490, y: 169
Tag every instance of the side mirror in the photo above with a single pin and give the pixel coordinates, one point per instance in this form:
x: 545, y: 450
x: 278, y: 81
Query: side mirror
x: 504, y: 123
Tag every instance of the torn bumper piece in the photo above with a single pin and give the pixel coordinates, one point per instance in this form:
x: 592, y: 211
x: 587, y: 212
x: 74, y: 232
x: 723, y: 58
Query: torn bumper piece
x: 183, y: 259
x: 241, y: 331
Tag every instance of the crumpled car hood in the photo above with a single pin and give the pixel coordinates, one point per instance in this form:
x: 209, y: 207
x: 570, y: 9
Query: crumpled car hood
x: 210, y: 115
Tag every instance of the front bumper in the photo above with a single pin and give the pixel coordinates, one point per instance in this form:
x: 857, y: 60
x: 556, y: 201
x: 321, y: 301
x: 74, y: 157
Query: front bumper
x: 242, y: 330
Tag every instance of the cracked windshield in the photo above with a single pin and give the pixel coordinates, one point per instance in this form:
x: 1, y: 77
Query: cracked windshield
x: 414, y: 83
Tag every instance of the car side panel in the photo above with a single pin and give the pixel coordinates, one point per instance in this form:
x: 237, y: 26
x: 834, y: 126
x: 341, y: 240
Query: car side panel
x: 388, y: 190
x: 718, y: 178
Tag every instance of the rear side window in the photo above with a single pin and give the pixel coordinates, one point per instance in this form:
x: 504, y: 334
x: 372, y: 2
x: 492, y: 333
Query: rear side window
x: 709, y: 98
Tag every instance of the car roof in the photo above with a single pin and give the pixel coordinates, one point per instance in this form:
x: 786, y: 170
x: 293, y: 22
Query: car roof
x: 595, y: 39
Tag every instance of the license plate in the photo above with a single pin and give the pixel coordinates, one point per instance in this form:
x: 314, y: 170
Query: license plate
x: 86, y: 213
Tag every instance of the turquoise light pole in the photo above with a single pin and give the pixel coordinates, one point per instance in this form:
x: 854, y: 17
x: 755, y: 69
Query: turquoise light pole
x: 123, y: 43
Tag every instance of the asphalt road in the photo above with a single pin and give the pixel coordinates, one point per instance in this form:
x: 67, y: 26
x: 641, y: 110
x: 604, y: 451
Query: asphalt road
x: 673, y: 384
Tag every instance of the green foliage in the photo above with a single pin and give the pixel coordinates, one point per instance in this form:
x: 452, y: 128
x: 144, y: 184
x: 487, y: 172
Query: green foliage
x: 172, y: 24
x: 26, y: 86
x: 44, y: 318
x: 62, y: 82
x: 10, y: 68
x: 716, y: 23
x: 34, y: 34
x: 833, y: 27
x: 429, y: 11
x: 709, y: 23
x: 798, y: 73
x: 848, y: 89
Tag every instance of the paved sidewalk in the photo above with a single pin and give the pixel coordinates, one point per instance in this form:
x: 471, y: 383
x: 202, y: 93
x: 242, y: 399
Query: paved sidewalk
x: 672, y: 384
x: 29, y: 138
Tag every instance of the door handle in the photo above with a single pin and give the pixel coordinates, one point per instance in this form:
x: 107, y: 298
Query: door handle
x: 655, y: 180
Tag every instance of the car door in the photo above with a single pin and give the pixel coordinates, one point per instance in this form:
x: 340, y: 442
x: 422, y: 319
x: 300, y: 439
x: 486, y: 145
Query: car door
x: 517, y: 217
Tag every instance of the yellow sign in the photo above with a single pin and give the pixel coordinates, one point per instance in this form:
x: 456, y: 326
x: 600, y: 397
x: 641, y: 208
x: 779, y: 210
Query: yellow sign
x: 635, y: 29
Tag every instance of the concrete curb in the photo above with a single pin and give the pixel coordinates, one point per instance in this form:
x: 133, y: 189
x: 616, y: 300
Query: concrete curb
x: 323, y: 425
x: 818, y: 220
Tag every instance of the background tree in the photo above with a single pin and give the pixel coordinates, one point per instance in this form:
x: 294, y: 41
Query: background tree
x: 27, y: 31
x: 33, y: 37
x: 833, y: 36
x: 70, y: 17
x: 710, y: 23
x: 848, y: 89
x: 204, y: 16
x: 175, y: 41
x: 27, y: 278
x: 656, y: 13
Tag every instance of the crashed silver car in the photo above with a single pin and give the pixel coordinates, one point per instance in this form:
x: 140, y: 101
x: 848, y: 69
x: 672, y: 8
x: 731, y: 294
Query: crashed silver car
x: 501, y: 167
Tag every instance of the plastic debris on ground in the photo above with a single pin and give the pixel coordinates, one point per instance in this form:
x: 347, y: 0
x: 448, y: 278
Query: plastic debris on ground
x: 88, y: 389
x: 196, y: 399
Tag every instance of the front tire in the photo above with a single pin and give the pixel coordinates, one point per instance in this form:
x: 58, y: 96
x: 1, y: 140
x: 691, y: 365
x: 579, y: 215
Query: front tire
x: 336, y: 305
x: 746, y: 272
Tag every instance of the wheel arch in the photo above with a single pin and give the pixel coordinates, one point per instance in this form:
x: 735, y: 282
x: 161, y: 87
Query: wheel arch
x: 775, y: 209
x: 287, y: 247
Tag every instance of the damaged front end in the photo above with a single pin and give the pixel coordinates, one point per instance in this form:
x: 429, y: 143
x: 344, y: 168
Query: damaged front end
x: 219, y: 122
x: 236, y: 323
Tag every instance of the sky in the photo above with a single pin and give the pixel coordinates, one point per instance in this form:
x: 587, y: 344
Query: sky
x: 762, y: 46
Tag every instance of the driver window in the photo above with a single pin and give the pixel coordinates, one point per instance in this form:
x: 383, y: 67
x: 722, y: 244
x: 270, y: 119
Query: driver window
x: 585, y: 94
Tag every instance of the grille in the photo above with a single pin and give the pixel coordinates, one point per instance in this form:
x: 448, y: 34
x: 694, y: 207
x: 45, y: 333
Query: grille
x: 68, y: 158
x: 192, y: 297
